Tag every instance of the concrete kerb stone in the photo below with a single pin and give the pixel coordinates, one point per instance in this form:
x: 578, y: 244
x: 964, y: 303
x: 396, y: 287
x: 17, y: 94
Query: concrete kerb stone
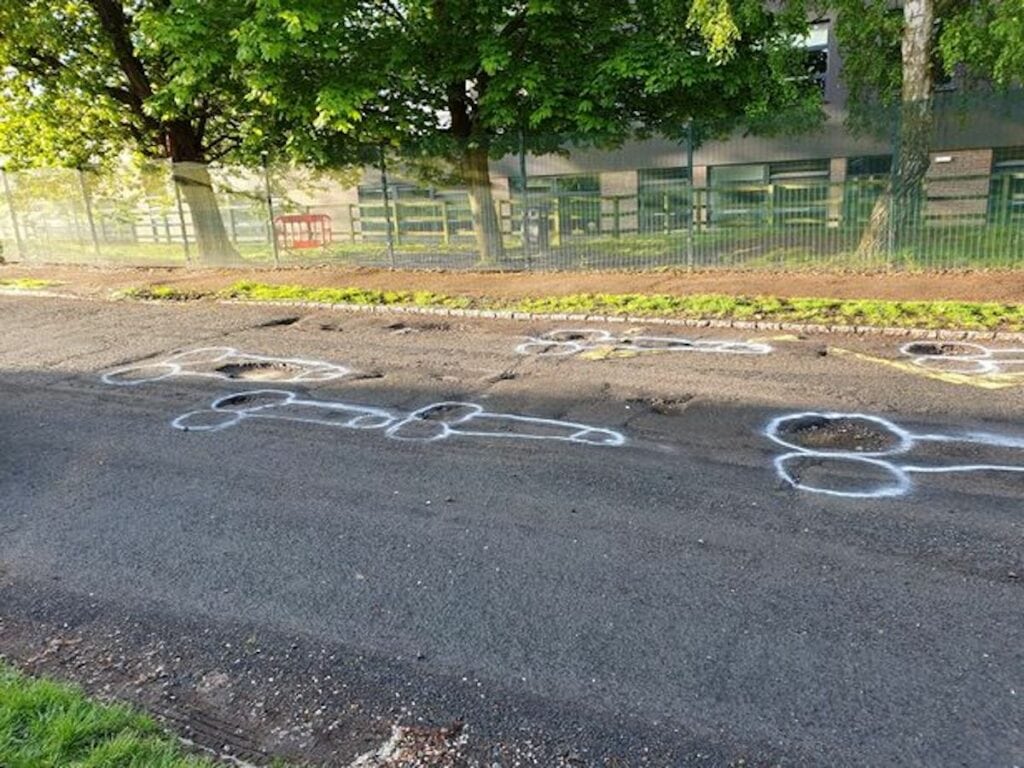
x: 744, y: 325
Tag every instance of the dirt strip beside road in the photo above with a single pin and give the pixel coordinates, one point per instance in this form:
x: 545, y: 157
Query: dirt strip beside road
x: 1005, y: 286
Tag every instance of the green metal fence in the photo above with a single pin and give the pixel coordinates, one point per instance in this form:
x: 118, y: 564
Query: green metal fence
x: 640, y: 207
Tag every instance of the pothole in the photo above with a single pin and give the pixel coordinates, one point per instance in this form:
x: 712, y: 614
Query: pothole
x: 844, y: 433
x: 502, y: 376
x: 943, y: 349
x: 575, y: 336
x: 654, y: 343
x: 664, y: 406
x: 260, y: 371
x: 248, y: 401
x: 279, y: 322
x: 448, y: 412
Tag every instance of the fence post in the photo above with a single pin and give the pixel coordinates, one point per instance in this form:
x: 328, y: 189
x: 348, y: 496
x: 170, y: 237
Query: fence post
x: 556, y: 209
x: 270, y: 211
x: 689, y: 195
x: 387, y: 207
x: 525, y: 203
x: 19, y: 246
x: 397, y: 216
x: 352, y: 207
x: 1005, y: 210
x: 87, y: 200
x: 445, y: 232
x: 616, y: 204
x: 181, y: 214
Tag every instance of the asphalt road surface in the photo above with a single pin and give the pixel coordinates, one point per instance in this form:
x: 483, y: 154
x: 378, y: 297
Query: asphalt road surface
x: 682, y: 598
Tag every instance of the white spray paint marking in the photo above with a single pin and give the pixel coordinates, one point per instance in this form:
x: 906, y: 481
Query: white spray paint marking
x: 222, y: 363
x: 572, y: 341
x: 964, y: 357
x: 887, y: 460
x: 434, y: 422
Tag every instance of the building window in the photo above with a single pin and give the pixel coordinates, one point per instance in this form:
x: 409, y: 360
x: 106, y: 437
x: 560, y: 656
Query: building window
x: 738, y: 194
x: 575, y: 198
x: 794, y: 192
x: 798, y: 192
x: 663, y: 199
x: 1006, y: 194
x: 815, y: 46
x: 869, y: 167
x: 424, y: 213
x: 866, y: 179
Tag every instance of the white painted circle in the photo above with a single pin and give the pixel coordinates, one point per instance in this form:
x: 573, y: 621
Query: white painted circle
x: 204, y: 355
x: 207, y: 421
x: 549, y: 348
x: 962, y: 365
x: 135, y: 375
x: 898, y: 485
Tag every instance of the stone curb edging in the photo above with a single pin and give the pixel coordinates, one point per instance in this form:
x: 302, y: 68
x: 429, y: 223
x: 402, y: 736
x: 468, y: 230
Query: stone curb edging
x: 739, y: 325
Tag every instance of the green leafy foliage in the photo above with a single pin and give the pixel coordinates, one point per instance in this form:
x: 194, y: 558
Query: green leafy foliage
x: 81, y: 81
x: 987, y: 38
x: 432, y: 78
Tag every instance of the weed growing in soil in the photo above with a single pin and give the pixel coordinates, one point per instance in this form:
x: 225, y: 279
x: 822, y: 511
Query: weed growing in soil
x: 27, y: 284
x: 263, y: 292
x: 964, y: 315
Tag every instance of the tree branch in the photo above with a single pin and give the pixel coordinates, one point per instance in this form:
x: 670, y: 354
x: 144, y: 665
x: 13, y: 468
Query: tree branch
x: 115, y: 25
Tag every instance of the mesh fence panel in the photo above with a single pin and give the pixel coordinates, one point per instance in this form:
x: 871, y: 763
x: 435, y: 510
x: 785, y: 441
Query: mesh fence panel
x: 824, y: 200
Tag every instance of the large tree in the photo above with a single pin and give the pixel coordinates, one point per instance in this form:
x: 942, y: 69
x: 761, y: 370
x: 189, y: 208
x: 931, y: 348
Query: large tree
x: 82, y: 80
x: 892, y: 58
x: 467, y: 80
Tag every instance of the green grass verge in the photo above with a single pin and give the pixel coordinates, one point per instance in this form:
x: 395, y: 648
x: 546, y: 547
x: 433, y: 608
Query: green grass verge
x: 27, y: 284
x: 965, y: 315
x: 46, y: 725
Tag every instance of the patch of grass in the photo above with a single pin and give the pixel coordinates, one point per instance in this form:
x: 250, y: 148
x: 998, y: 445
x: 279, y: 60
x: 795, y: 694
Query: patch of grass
x: 46, y: 724
x: 902, y: 314
x: 263, y: 292
x: 27, y: 284
x: 963, y: 315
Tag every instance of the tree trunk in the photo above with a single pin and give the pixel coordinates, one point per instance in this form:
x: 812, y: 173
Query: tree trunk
x: 486, y: 225
x: 900, y: 206
x: 192, y: 176
x: 211, y: 237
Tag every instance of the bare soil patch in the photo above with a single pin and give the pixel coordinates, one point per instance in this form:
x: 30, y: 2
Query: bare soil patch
x: 999, y: 286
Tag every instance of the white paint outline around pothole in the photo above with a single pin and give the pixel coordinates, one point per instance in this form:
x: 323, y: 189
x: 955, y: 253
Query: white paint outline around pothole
x: 885, y: 459
x: 207, y: 362
x: 572, y: 341
x: 431, y: 423
x: 970, y: 359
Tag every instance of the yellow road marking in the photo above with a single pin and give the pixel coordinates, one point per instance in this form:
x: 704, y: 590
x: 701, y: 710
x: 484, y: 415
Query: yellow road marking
x: 607, y: 351
x: 781, y: 337
x: 981, y: 380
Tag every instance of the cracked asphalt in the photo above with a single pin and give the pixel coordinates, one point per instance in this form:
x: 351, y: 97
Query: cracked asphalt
x: 287, y: 587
